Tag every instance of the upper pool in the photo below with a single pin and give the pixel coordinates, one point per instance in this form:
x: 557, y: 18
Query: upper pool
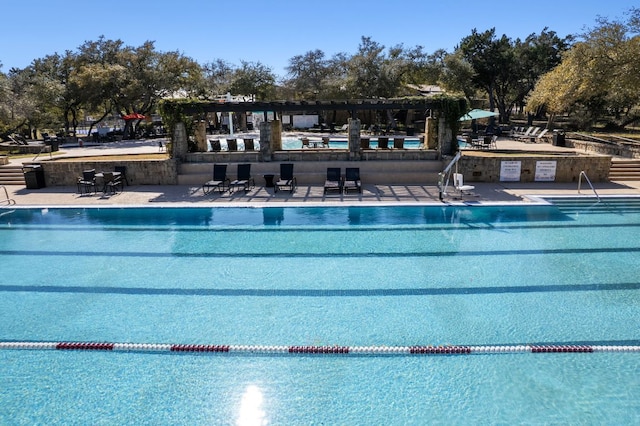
x: 558, y: 274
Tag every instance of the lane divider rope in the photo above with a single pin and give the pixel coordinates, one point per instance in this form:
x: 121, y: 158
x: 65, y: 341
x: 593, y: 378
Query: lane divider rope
x: 319, y: 350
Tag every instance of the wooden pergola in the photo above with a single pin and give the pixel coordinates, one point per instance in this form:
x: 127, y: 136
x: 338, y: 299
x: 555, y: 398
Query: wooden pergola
x: 353, y: 106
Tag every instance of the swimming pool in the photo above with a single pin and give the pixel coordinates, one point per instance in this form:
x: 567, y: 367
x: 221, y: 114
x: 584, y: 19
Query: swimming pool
x: 342, y: 143
x: 477, y: 276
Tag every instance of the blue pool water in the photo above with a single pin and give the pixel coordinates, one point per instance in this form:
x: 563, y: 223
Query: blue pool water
x: 399, y: 276
x: 341, y: 143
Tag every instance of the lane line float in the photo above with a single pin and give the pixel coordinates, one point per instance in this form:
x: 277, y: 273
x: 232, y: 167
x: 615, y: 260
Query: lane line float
x: 315, y: 350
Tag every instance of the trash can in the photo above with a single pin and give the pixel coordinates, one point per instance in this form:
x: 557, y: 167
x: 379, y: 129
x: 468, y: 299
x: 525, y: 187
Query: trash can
x: 558, y: 139
x: 33, y: 176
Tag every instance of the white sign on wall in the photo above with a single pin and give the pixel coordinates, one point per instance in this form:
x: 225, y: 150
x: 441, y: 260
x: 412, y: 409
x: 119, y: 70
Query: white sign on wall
x: 545, y: 171
x: 510, y: 171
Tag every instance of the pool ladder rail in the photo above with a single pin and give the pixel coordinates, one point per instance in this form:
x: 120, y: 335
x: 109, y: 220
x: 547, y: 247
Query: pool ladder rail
x: 8, y: 201
x: 586, y: 178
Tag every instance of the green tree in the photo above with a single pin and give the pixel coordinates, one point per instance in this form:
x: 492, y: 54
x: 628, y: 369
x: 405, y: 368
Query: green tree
x: 218, y: 77
x: 254, y: 79
x: 308, y: 75
x: 598, y: 77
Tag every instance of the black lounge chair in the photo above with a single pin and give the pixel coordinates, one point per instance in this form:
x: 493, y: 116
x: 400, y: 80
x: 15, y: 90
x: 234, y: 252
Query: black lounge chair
x: 334, y: 180
x: 232, y: 145
x: 352, y: 180
x: 249, y: 145
x: 87, y: 183
x: 220, y: 180
x: 215, y: 145
x: 383, y: 142
x: 286, y: 179
x: 244, y: 178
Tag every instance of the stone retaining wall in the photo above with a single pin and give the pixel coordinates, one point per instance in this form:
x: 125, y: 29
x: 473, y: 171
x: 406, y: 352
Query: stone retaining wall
x: 486, y: 168
x: 619, y: 150
x: 324, y: 154
x: 147, y: 172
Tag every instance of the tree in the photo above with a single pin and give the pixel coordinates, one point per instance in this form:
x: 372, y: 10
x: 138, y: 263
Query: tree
x: 598, y: 77
x: 218, y: 76
x: 307, y: 74
x: 254, y: 79
x: 506, y: 70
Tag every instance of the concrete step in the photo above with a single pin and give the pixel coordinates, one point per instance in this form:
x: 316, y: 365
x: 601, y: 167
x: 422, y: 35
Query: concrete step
x: 11, y: 175
x: 624, y: 170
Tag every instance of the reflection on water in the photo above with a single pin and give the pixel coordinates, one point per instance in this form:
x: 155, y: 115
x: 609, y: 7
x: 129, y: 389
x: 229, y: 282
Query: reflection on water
x: 251, y: 412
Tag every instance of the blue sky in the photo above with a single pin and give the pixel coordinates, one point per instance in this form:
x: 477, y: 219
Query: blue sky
x: 271, y: 32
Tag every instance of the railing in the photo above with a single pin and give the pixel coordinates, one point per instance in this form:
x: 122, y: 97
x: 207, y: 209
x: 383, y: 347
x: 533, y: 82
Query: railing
x: 582, y: 173
x: 44, y: 148
x: 444, y: 176
x: 7, y: 200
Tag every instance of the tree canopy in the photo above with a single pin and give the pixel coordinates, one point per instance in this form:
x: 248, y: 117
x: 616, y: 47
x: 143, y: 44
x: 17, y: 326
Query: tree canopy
x: 599, y: 77
x: 593, y: 77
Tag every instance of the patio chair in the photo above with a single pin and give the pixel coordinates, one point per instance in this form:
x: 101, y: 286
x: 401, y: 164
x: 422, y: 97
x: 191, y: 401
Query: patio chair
x: 232, y: 145
x: 111, y: 183
x: 244, y: 178
x: 220, y: 180
x: 489, y: 142
x: 398, y: 143
x: 286, y: 178
x: 87, y: 183
x: 352, y: 180
x: 531, y: 132
x: 333, y: 181
x: 539, y: 136
x: 123, y: 173
x: 215, y: 145
x: 249, y: 145
x: 365, y: 143
x: 458, y: 183
x: 383, y: 142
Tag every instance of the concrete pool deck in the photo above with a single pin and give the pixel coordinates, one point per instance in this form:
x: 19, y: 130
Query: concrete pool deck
x: 173, y: 195
x: 186, y: 195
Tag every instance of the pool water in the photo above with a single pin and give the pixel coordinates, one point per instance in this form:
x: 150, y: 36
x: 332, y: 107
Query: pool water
x: 354, y: 276
x: 342, y: 143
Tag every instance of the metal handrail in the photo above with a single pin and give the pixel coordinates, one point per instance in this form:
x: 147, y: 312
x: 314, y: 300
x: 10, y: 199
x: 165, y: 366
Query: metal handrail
x: 446, y: 173
x: 583, y: 173
x: 44, y: 148
x: 9, y: 201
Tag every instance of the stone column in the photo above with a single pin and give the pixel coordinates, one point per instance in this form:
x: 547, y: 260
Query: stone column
x: 354, y: 138
x: 430, y: 132
x: 180, y: 145
x: 445, y: 145
x: 201, y: 136
x: 276, y: 135
x: 265, y: 140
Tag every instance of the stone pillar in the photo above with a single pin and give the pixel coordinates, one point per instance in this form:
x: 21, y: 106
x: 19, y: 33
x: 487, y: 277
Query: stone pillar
x: 180, y: 145
x: 430, y: 133
x: 445, y: 145
x: 354, y: 138
x: 265, y: 140
x: 276, y: 135
x: 201, y: 136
